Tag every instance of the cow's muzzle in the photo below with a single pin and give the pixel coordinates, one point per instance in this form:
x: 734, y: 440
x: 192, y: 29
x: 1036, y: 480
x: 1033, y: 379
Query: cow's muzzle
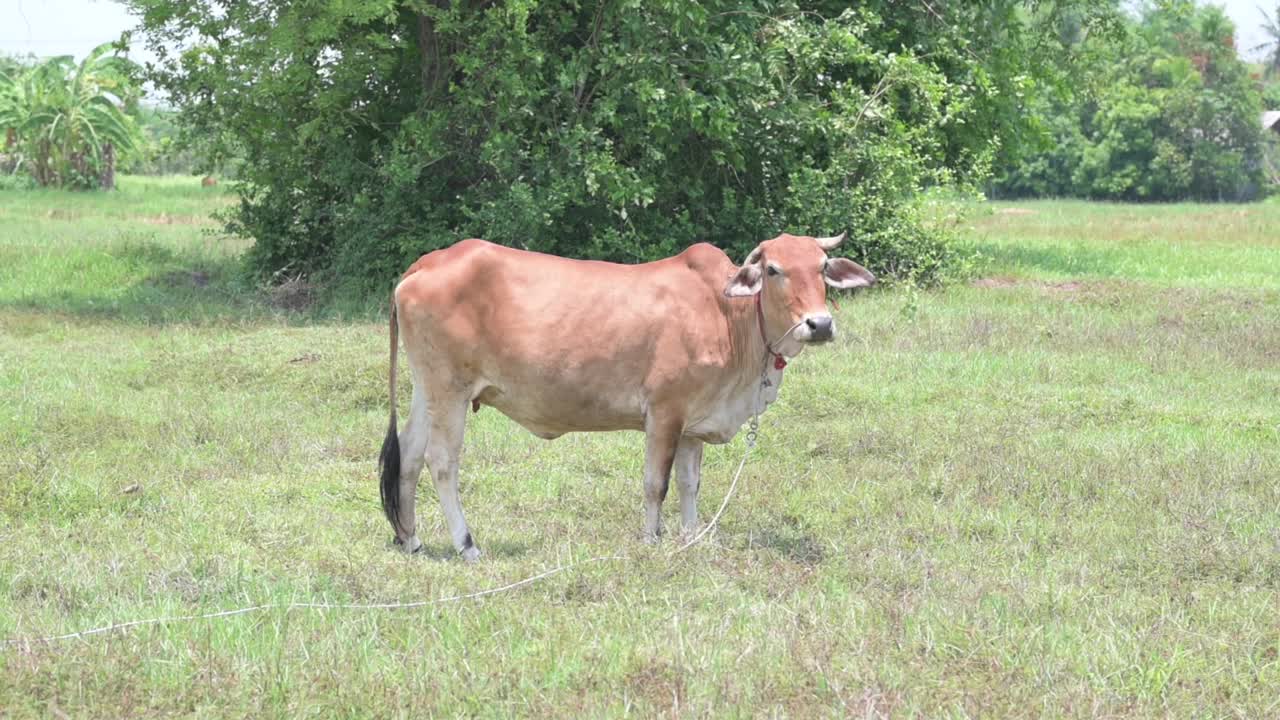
x: 821, y: 328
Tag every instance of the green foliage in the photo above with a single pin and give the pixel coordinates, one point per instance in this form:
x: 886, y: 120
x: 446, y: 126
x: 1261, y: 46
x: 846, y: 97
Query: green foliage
x: 16, y: 181
x: 623, y: 130
x: 65, y: 121
x: 168, y: 148
x: 1167, y: 111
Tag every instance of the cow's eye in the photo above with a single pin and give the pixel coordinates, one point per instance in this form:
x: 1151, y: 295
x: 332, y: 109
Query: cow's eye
x: 773, y: 271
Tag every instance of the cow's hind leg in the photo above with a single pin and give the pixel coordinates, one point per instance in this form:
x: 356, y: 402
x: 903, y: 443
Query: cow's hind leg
x: 688, y: 469
x: 661, y: 439
x: 413, y: 448
x: 444, y: 445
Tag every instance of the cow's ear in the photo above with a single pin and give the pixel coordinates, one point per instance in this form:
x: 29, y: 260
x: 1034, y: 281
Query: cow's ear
x: 748, y: 280
x: 845, y: 274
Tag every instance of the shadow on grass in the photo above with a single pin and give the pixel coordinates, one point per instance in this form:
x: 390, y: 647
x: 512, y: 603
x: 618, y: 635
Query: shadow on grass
x: 793, y: 544
x: 445, y: 551
x: 168, y: 287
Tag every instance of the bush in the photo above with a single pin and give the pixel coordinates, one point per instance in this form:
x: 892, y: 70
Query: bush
x: 619, y: 130
x: 17, y: 181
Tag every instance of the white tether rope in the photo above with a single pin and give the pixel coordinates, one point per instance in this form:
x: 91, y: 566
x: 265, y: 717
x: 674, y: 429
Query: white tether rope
x: 291, y: 606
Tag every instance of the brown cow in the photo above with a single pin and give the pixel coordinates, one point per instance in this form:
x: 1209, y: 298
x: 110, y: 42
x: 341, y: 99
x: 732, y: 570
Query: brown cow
x: 677, y: 348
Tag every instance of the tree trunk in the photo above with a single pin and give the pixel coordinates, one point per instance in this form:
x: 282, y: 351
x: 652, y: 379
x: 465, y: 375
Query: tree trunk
x: 43, y: 171
x: 435, y: 69
x: 108, y: 167
x: 79, y: 163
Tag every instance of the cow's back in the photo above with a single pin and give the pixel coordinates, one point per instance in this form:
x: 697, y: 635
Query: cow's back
x: 561, y: 345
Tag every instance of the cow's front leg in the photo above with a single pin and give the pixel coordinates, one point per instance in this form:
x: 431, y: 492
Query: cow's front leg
x: 661, y: 438
x: 688, y: 469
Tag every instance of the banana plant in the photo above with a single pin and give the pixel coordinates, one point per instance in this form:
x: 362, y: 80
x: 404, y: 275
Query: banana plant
x: 1271, y: 29
x: 68, y: 120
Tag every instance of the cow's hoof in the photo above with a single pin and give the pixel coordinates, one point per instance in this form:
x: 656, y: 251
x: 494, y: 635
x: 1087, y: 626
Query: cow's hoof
x: 470, y: 554
x: 408, y: 548
x: 689, y: 533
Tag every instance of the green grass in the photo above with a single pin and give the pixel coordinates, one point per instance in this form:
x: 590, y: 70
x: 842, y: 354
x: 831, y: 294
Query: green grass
x: 1053, y: 492
x: 149, y: 252
x: 1183, y: 245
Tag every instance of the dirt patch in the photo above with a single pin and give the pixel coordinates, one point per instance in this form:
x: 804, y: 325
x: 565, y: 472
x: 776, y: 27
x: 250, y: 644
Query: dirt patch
x: 658, y: 683
x: 1067, y: 286
x: 295, y: 294
x: 996, y: 282
x: 1064, y: 286
x: 184, y: 278
x: 167, y: 219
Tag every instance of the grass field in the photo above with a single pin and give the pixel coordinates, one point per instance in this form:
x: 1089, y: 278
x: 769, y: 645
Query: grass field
x: 1051, y: 491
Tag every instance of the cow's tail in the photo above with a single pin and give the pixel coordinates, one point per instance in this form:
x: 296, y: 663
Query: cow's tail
x: 389, y: 460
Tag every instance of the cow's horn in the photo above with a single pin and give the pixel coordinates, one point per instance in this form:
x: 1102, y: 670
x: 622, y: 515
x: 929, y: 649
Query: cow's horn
x: 830, y: 243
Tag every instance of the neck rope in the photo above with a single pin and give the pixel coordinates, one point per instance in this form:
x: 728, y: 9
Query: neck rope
x: 779, y: 362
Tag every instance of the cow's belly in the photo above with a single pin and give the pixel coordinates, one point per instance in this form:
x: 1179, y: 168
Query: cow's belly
x: 550, y: 411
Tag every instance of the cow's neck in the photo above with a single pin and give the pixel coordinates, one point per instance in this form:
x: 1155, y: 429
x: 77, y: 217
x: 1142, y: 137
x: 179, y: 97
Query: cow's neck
x: 752, y: 357
x: 741, y: 391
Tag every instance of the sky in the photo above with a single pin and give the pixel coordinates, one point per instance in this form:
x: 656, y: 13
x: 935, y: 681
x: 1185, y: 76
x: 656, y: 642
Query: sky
x: 59, y: 27
x: 1246, y: 16
x: 73, y: 27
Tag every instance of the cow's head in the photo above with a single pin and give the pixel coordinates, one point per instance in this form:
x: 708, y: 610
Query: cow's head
x: 791, y: 274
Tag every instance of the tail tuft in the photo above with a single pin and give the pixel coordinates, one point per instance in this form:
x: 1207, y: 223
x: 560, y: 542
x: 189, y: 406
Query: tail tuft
x: 389, y: 462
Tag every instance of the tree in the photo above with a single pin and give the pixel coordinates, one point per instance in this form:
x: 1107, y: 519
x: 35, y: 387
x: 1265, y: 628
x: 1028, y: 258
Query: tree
x: 1165, y: 110
x: 623, y: 130
x: 1272, y: 45
x: 68, y: 120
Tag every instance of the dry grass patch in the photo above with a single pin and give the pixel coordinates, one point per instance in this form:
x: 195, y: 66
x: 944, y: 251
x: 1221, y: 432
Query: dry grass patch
x: 295, y: 294
x: 1049, y: 493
